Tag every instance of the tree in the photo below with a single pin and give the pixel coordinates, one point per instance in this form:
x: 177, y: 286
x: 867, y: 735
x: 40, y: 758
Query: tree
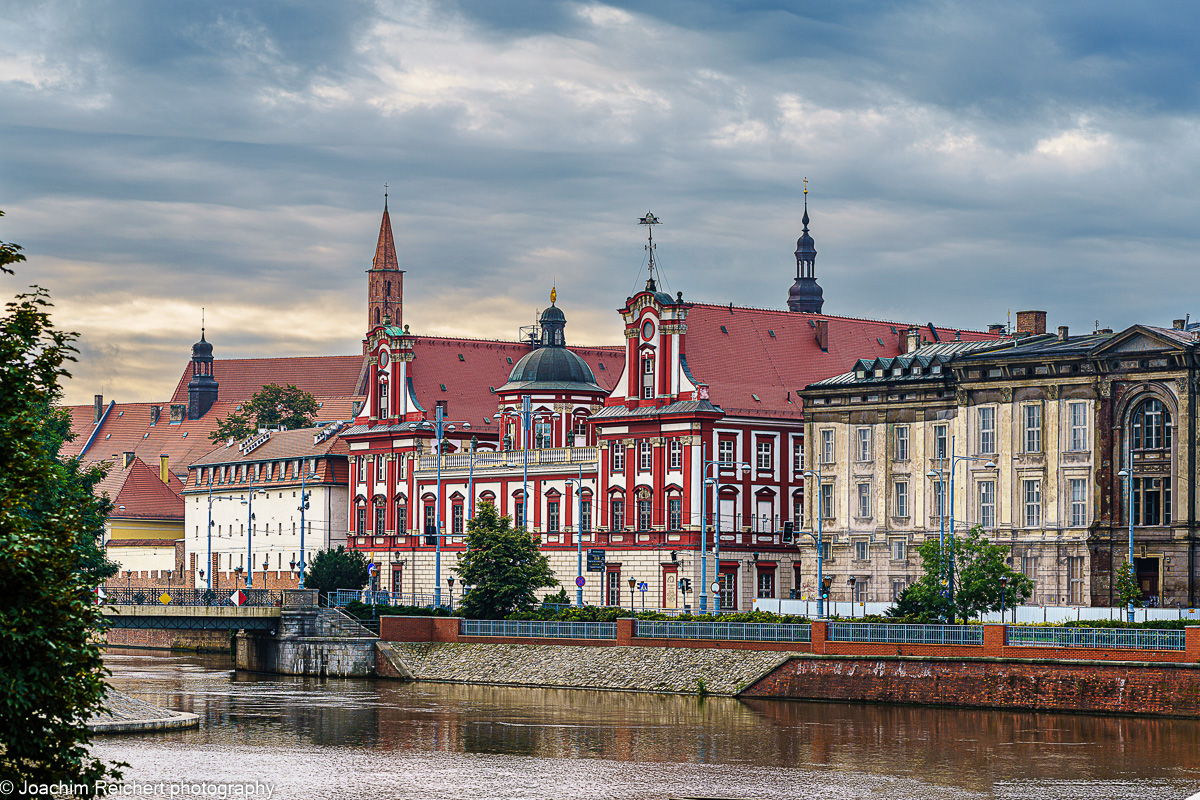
x: 272, y: 406
x: 51, y: 562
x: 337, y: 569
x: 978, y: 567
x: 1129, y: 593
x: 502, y: 565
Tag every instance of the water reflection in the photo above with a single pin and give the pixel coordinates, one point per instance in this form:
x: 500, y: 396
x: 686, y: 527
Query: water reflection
x: 327, y: 737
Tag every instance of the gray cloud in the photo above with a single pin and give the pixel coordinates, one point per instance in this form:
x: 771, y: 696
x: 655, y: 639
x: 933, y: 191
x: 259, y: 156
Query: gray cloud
x: 965, y: 161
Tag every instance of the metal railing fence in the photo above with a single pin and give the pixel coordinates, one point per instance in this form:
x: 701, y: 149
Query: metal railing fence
x: 157, y: 596
x: 342, y: 597
x: 885, y: 633
x: 1098, y: 638
x: 732, y: 631
x: 511, y: 459
x: 538, y: 629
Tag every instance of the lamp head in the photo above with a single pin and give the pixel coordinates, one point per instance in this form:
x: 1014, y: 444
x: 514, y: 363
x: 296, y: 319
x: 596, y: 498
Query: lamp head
x: 632, y: 582
x: 990, y: 465
x: 1123, y: 473
x: 466, y: 426
x: 933, y: 473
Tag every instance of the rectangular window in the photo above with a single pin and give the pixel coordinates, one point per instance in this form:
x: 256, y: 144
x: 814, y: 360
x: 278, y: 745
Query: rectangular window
x: 456, y: 518
x: 987, y: 430
x: 551, y: 515
x: 727, y: 590
x: 1033, y: 502
x: 1077, y: 439
x: 766, y: 583
x: 725, y: 451
x: 380, y: 519
x: 861, y: 551
x: 1151, y: 501
x: 936, y: 487
x: 645, y: 455
x: 519, y: 515
x: 797, y: 511
x: 1031, y: 418
x: 766, y: 455
x: 901, y: 507
x: 430, y: 522
x: 898, y: 549
x: 827, y: 446
x: 827, y: 551
x: 585, y: 514
x: 1075, y: 570
x: 360, y: 521
x: 987, y: 504
x: 826, y: 501
x: 1079, y: 504
x: 941, y: 442
x: 616, y: 509
x: 797, y: 457
x: 897, y: 589
x: 618, y: 456
x: 543, y: 434
x: 864, y: 444
x: 401, y: 519
x: 613, y: 596
x: 362, y: 469
x: 864, y: 500
x: 645, y: 515
x: 675, y: 513
x: 675, y: 449
x: 902, y: 443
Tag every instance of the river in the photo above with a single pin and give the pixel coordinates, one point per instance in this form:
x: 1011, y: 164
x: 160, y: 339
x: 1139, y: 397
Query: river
x: 329, y: 738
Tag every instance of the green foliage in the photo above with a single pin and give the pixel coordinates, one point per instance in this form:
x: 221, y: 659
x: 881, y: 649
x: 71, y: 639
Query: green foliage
x: 701, y: 688
x: 979, y: 566
x: 502, y: 565
x: 366, y: 611
x: 272, y: 406
x: 52, y: 679
x: 337, y: 569
x: 1129, y: 593
x: 559, y: 599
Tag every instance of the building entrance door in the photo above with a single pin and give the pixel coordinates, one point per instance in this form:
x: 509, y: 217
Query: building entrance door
x: 670, y: 598
x: 1147, y: 577
x: 613, y: 585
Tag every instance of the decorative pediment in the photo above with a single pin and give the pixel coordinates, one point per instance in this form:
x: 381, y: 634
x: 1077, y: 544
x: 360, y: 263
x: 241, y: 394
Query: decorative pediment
x: 1139, y: 339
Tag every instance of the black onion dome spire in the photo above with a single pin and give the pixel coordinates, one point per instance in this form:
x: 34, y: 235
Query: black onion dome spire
x: 552, y: 365
x: 805, y: 294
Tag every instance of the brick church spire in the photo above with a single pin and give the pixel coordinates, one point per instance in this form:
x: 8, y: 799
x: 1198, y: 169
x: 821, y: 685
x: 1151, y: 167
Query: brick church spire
x: 385, y: 279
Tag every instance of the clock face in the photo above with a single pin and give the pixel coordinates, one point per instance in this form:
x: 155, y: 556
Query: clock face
x: 383, y: 358
x: 647, y: 329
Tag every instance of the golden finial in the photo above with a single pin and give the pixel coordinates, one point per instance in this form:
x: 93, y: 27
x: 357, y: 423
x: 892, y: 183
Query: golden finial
x: 806, y: 185
x: 553, y: 294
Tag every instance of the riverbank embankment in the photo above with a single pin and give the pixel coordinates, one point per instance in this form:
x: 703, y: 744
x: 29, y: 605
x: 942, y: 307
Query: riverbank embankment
x: 125, y: 714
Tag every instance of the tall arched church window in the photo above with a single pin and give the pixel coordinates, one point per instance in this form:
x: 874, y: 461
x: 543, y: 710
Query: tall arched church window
x: 1151, y: 426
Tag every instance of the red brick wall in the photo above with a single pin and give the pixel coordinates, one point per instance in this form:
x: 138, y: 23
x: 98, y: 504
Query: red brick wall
x: 156, y: 639
x: 1170, y: 690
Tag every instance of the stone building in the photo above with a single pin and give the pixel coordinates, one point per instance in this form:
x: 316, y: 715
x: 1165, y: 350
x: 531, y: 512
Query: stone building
x: 1029, y: 439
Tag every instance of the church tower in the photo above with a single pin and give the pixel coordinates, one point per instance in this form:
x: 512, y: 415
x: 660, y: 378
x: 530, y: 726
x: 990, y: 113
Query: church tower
x: 385, y: 279
x: 805, y: 294
x: 202, y: 388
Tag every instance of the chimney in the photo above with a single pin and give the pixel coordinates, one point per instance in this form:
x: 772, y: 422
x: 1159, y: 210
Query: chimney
x: 127, y: 459
x: 163, y: 462
x: 98, y: 410
x: 912, y: 339
x: 1177, y: 324
x: 996, y: 328
x: 823, y: 335
x: 1062, y: 333
x: 1031, y: 323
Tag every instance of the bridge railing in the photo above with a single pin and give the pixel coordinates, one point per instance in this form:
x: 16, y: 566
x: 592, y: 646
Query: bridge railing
x: 538, y: 629
x: 157, y: 596
x: 340, y: 598
x: 886, y: 633
x: 731, y: 631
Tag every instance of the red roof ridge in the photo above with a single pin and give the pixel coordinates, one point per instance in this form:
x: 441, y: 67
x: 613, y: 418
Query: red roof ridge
x: 805, y: 315
x: 448, y: 339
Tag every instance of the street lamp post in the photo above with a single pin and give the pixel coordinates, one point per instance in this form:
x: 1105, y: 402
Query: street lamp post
x: 821, y: 588
x: 304, y: 476
x: 208, y: 584
x: 705, y: 482
x: 632, y: 585
x: 450, y: 583
x: 526, y: 416
x: 249, y: 501
x: 441, y: 427
x: 1127, y: 474
x: 578, y: 484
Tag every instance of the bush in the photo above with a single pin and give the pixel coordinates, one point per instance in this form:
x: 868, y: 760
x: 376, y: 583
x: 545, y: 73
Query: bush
x: 366, y: 611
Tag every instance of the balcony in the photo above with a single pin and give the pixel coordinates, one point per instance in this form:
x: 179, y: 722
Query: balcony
x: 510, y: 459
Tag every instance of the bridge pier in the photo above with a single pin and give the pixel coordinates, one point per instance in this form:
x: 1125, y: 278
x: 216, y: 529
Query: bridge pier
x: 308, y: 641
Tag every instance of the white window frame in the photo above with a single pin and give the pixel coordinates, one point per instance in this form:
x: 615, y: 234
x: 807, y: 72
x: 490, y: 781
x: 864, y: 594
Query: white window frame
x: 1031, y: 428
x: 766, y: 454
x: 725, y: 451
x: 618, y: 456
x: 1078, y: 499
x: 862, y: 550
x: 941, y: 441
x: 827, y: 445
x: 675, y: 452
x: 1077, y: 427
x: 987, y: 430
x: 900, y: 493
x: 899, y: 547
x: 901, y: 442
x: 986, y: 492
x: 1031, y: 495
x: 798, y: 457
x: 645, y: 455
x: 864, y: 500
x: 864, y: 443
x: 826, y: 501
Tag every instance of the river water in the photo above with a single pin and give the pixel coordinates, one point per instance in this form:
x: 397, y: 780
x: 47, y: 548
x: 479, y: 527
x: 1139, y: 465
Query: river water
x: 329, y: 738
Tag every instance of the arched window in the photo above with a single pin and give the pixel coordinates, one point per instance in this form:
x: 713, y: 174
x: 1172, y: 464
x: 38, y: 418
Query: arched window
x: 377, y: 316
x: 1151, y: 422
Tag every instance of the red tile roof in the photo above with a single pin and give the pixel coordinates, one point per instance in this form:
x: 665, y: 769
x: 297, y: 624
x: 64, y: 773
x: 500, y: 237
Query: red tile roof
x: 744, y: 359
x: 240, y: 378
x: 143, y: 496
x: 485, y: 365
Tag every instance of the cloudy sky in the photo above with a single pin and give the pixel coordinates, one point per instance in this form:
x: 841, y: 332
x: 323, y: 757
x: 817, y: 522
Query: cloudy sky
x: 964, y: 160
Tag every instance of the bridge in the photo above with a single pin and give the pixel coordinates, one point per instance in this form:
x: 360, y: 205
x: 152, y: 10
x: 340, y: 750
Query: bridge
x: 201, y: 609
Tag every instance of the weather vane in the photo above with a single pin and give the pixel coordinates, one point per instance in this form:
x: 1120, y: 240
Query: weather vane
x: 650, y: 221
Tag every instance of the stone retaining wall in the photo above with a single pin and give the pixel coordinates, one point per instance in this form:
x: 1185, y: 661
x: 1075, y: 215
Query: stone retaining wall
x: 214, y: 641
x: 676, y: 670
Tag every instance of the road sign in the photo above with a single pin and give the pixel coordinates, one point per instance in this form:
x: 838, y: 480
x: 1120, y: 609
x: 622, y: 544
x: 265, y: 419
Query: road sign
x: 716, y: 587
x: 643, y: 586
x: 595, y: 561
x: 371, y: 568
x: 100, y: 595
x: 165, y: 599
x: 238, y: 598
x: 580, y: 581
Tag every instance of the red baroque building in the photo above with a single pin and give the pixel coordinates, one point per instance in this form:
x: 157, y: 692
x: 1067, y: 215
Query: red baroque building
x: 603, y: 448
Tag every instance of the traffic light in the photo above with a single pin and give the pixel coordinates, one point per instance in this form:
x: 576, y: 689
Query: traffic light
x: 685, y: 585
x: 788, y: 531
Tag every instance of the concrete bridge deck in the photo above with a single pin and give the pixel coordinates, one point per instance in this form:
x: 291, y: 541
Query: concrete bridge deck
x: 190, y: 618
